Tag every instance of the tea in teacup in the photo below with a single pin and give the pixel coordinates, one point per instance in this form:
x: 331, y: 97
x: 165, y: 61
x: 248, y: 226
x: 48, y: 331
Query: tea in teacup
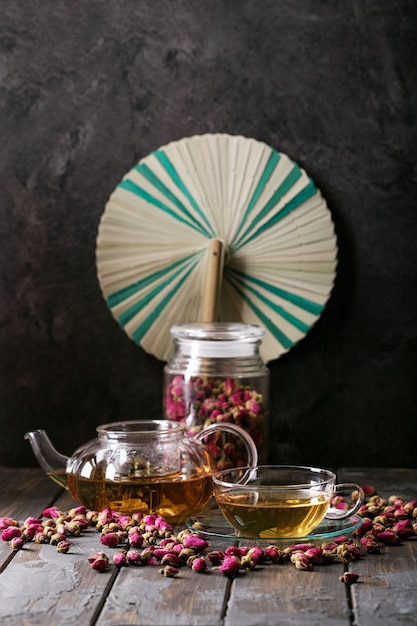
x: 278, y: 501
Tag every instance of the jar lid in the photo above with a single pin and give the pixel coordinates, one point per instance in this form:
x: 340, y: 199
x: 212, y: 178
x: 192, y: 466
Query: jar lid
x: 218, y: 339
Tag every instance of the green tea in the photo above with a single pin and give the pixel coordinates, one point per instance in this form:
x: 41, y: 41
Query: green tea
x: 267, y: 513
x: 174, y: 498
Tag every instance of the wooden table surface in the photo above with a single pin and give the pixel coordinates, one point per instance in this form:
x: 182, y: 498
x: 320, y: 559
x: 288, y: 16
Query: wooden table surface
x: 40, y: 586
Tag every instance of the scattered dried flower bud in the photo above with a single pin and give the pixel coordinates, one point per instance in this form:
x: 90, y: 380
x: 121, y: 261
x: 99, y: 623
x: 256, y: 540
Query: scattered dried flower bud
x: 135, y: 537
x: 315, y: 555
x: 403, y: 529
x: 195, y: 542
x: 230, y: 566
x: 111, y: 540
x: 365, y: 527
x: 63, y: 547
x: 10, y: 532
x: 301, y: 561
x: 169, y: 559
x: 100, y: 564
x: 120, y: 558
x: 134, y: 557
x: 5, y: 522
x: 97, y: 555
x: 349, y: 578
x: 248, y: 562
x: 17, y: 543
x: 369, y: 490
x: 199, y: 564
x: 273, y: 553
x: 370, y: 544
x: 388, y: 538
x: 169, y: 571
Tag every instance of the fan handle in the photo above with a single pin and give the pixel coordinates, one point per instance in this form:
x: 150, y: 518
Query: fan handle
x: 213, y: 280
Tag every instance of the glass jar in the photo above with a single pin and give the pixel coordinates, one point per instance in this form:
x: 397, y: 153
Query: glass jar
x: 215, y: 375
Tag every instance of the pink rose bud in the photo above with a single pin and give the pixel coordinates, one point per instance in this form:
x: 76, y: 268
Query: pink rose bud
x: 111, y: 540
x: 370, y: 544
x: 230, y: 566
x: 5, y: 522
x: 364, y: 528
x: 134, y: 557
x: 32, y: 520
x: 215, y: 557
x: 78, y: 510
x: 63, y: 547
x: 17, y: 543
x: 300, y: 561
x: 10, y: 532
x: 100, y: 564
x: 169, y: 559
x: 154, y: 561
x: 169, y: 571
x: 273, y: 553
x: 52, y: 512
x: 410, y: 506
x: 233, y: 551
x: 120, y: 558
x: 369, y: 490
x: 315, y: 555
x: 388, y: 538
x: 199, y: 564
x: 302, y: 546
x: 256, y: 554
x: 403, y: 528
x: 135, y: 537
x: 349, y: 578
x: 195, y: 542
x: 400, y: 514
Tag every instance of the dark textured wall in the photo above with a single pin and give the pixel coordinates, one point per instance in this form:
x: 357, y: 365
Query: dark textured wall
x: 87, y: 88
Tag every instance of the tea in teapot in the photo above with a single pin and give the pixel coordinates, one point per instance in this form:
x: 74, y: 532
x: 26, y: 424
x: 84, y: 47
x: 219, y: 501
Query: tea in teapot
x: 148, y: 466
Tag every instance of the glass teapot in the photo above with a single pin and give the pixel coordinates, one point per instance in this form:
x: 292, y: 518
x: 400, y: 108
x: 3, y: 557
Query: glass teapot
x: 148, y: 466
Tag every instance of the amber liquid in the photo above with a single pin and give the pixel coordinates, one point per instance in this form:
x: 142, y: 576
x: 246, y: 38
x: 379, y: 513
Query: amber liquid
x: 266, y: 514
x: 175, y: 498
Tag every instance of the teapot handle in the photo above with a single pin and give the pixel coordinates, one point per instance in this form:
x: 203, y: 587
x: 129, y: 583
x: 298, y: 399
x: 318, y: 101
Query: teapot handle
x: 239, y: 432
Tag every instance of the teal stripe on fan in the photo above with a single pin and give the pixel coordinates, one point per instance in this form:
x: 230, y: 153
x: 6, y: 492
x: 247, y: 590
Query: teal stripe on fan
x: 170, y: 169
x: 123, y: 294
x: 292, y: 319
x: 278, y: 194
x: 265, y: 320
x: 138, y: 191
x: 147, y: 173
x: 133, y: 310
x: 274, y: 157
x: 139, y: 333
x: 303, y: 303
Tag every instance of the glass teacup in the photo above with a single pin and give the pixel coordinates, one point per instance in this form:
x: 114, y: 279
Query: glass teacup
x: 282, y: 500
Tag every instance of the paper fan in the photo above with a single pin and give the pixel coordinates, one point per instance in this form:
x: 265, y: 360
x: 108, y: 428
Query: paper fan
x: 216, y: 227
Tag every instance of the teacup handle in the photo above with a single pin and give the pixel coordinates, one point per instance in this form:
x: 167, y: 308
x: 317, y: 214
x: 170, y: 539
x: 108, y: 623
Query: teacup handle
x: 239, y: 432
x: 345, y: 489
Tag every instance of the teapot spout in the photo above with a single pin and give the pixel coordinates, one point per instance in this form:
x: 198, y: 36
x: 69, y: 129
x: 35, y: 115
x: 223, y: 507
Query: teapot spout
x: 51, y: 461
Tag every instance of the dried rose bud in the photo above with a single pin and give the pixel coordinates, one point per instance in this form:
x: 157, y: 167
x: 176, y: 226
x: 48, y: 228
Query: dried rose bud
x: 230, y: 566
x: 410, y: 506
x: 396, y: 501
x: 273, y: 553
x: 63, y: 547
x: 315, y: 555
x: 154, y: 561
x: 146, y: 555
x: 369, y: 490
x: 41, y: 537
x: 199, y: 564
x: 120, y: 558
x: 364, y: 528
x: 215, y: 557
x: 349, y: 578
x: 194, y: 542
x: 74, y: 528
x: 186, y: 553
x: 370, y: 544
x: 6, y: 522
x: 133, y: 557
x: 302, y: 547
x: 169, y: 559
x: 10, y: 532
x: 97, y: 555
x: 400, y: 513
x: 233, y: 551
x: 100, y: 564
x: 403, y: 528
x: 111, y: 540
x: 169, y: 571
x: 51, y: 512
x: 135, y: 537
x: 248, y: 562
x: 256, y: 554
x: 388, y: 538
x: 345, y: 554
x: 17, y: 543
x: 301, y: 561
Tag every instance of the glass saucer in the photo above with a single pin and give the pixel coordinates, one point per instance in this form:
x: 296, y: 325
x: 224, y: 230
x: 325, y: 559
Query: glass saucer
x: 212, y: 525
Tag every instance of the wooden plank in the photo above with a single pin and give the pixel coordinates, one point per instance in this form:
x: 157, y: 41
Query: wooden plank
x: 386, y: 590
x: 281, y: 594
x: 143, y: 597
x: 23, y: 492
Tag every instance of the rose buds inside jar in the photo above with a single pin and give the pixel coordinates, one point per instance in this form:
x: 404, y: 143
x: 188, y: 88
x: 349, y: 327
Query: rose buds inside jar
x: 215, y: 375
